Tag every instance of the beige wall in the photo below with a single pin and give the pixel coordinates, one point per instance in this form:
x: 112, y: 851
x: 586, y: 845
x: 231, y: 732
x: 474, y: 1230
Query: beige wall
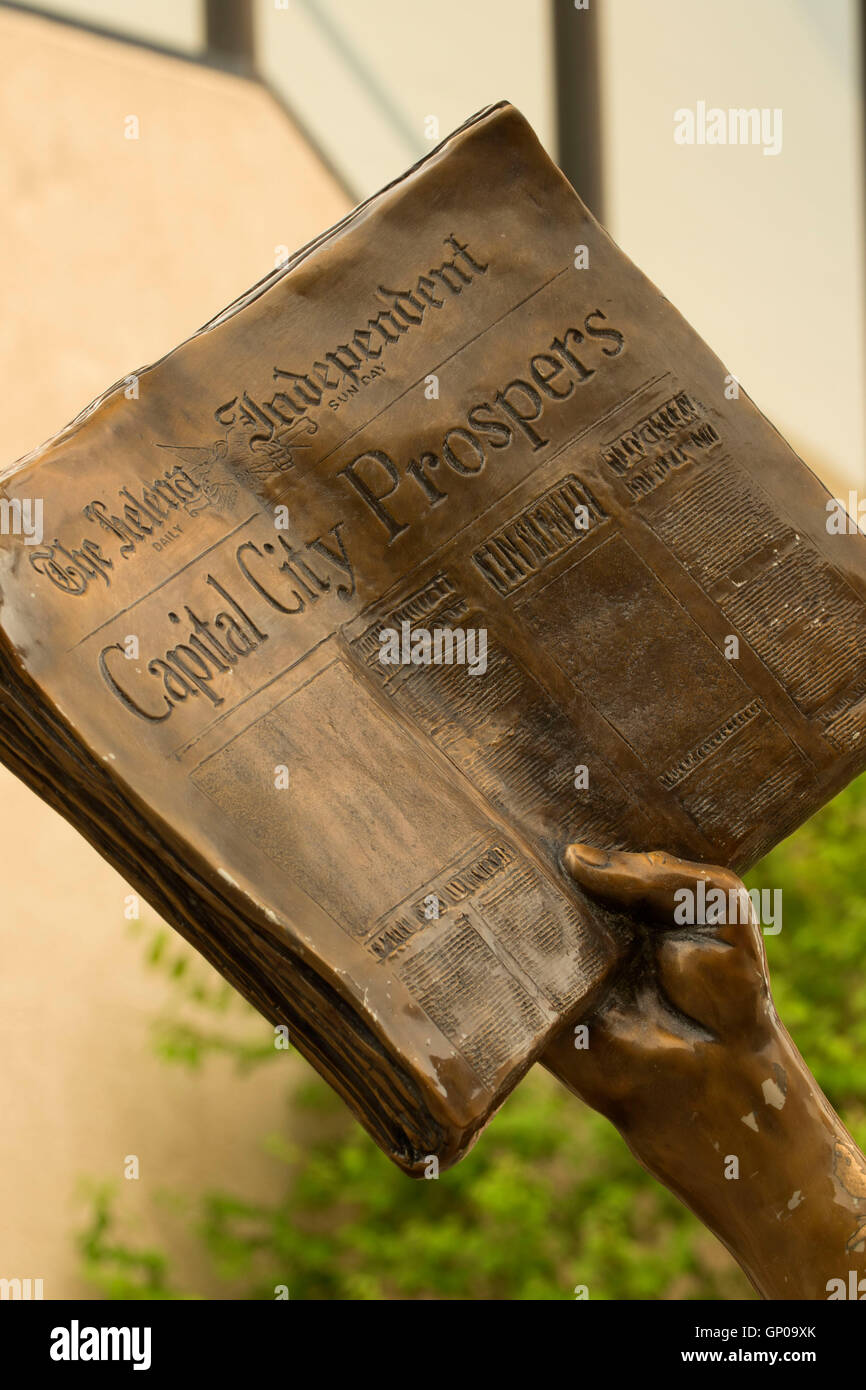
x: 177, y: 24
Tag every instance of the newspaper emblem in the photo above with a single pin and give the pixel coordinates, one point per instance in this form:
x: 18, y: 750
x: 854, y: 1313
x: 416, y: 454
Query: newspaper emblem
x: 234, y: 461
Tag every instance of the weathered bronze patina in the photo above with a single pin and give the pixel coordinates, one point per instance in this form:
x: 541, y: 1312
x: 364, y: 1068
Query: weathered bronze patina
x: 448, y: 544
x: 691, y: 1062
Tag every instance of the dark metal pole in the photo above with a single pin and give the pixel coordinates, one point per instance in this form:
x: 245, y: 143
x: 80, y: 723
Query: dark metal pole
x: 229, y: 32
x: 578, y: 109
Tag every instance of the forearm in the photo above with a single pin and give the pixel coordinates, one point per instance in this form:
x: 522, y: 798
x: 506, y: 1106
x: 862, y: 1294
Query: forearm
x: 756, y: 1151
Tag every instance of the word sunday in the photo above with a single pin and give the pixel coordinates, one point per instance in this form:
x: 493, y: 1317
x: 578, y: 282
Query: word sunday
x: 341, y: 371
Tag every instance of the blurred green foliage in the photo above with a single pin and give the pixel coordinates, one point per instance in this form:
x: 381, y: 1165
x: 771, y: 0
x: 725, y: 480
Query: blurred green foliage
x: 551, y: 1198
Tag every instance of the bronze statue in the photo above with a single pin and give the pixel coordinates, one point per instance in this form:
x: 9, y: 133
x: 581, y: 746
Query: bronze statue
x: 447, y: 545
x: 689, y: 1059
